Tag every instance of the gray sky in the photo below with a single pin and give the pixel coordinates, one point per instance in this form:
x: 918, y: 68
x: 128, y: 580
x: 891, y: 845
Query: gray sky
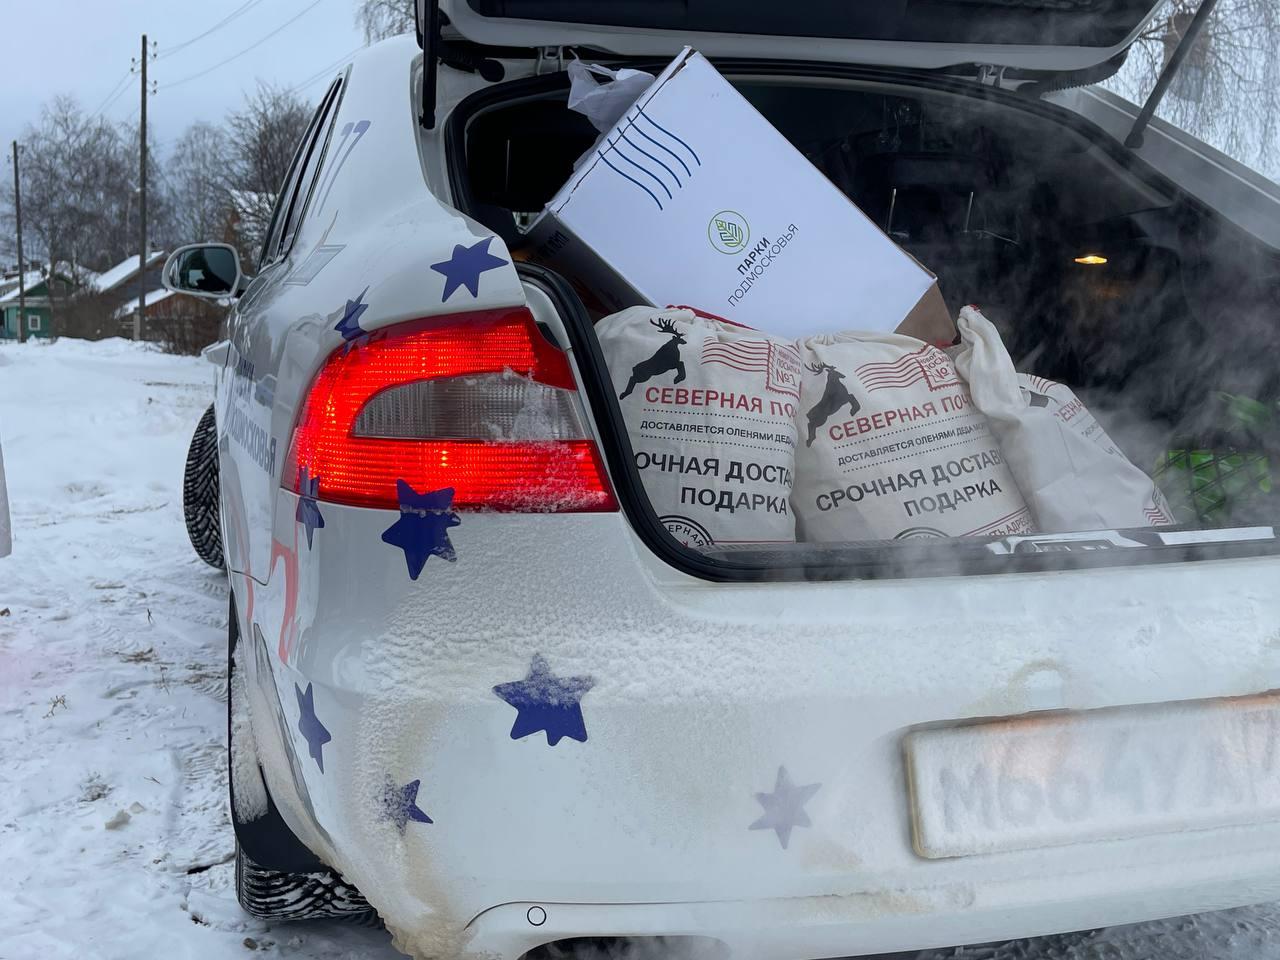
x: 83, y: 48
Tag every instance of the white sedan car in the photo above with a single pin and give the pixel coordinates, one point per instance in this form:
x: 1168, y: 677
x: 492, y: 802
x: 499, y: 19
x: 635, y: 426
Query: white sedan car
x: 478, y: 686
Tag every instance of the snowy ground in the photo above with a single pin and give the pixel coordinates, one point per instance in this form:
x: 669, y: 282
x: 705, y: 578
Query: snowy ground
x: 113, y: 821
x: 114, y: 835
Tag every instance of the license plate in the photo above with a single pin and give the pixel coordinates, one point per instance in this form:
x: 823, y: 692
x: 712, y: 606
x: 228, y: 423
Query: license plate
x: 1053, y: 779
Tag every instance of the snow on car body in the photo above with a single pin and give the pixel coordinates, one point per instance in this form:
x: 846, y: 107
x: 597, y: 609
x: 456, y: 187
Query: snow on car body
x: 516, y: 725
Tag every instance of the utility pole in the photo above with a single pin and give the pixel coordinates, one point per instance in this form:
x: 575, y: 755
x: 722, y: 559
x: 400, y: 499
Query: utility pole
x: 142, y: 201
x: 22, y: 269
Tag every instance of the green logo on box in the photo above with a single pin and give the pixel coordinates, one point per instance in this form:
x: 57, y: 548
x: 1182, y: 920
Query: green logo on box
x: 728, y: 232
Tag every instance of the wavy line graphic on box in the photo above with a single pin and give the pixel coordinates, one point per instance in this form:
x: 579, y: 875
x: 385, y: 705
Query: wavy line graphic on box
x: 631, y: 125
x: 637, y: 147
x: 624, y: 176
x: 646, y: 162
x: 640, y: 111
x: 906, y: 371
x: 614, y: 148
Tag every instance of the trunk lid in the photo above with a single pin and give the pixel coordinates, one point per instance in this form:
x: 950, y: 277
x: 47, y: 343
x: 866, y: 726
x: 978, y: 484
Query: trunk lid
x: 1037, y: 36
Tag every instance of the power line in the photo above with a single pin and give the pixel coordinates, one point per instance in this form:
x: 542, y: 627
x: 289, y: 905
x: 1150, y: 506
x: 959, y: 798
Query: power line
x: 139, y: 66
x: 237, y: 12
x: 113, y: 96
x: 235, y: 56
x: 111, y: 103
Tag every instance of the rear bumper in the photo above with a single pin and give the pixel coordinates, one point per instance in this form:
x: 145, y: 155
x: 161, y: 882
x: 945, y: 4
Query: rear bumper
x: 877, y: 921
x: 698, y: 694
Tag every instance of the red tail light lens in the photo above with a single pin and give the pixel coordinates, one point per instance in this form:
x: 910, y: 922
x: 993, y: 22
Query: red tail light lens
x: 479, y: 402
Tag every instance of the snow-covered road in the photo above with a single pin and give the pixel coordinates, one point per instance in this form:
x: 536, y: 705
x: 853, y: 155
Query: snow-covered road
x: 113, y: 818
x: 114, y: 833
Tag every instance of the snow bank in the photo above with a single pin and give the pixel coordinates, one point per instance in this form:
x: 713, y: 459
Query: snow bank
x: 107, y: 347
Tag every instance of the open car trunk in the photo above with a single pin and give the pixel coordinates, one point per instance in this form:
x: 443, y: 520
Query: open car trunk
x: 1170, y: 343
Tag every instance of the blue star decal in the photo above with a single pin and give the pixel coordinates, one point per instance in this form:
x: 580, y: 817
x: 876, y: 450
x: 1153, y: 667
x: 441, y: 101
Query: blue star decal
x: 463, y: 269
x: 784, y: 808
x: 308, y: 512
x: 349, y: 325
x: 423, y: 528
x: 309, y: 725
x: 400, y: 804
x: 547, y: 702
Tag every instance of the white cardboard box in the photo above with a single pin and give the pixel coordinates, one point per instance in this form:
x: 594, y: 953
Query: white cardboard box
x: 694, y: 198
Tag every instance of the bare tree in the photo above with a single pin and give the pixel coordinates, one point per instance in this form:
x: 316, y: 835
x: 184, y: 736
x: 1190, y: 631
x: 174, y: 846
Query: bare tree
x: 380, y: 19
x: 79, y: 177
x: 198, y: 180
x: 264, y: 134
x: 1227, y: 91
x: 159, y: 209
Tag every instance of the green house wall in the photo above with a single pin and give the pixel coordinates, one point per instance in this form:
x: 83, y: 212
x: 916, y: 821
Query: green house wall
x: 9, y: 329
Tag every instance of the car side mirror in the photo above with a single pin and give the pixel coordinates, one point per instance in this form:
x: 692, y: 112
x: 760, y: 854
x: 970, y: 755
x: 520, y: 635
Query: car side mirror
x: 208, y: 270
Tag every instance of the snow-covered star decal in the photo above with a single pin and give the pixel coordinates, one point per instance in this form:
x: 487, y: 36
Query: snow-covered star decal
x: 349, y: 325
x: 463, y: 269
x: 308, y: 512
x: 423, y: 528
x: 544, y: 701
x: 309, y: 725
x: 400, y: 804
x: 784, y: 808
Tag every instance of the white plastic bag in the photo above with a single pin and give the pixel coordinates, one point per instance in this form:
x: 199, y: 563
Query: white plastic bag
x: 1071, y: 474
x: 710, y: 407
x: 891, y: 447
x: 604, y: 103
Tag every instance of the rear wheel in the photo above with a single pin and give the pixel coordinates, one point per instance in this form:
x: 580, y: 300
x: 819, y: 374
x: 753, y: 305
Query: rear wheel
x: 277, y: 895
x: 200, y: 492
x: 277, y: 877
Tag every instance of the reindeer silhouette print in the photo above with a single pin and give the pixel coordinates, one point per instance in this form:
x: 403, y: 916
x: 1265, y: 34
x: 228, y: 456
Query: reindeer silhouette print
x: 666, y: 357
x: 834, y: 396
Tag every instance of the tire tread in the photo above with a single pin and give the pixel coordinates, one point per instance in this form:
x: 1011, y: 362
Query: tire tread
x: 200, y: 492
x: 272, y: 895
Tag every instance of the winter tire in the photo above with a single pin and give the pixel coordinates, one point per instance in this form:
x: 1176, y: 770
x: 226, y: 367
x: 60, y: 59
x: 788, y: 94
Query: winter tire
x: 292, y: 884
x: 200, y: 492
x: 274, y: 895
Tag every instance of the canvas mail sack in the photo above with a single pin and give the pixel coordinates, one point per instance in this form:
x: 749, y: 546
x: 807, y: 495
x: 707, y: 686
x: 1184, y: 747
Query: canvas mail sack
x: 1071, y: 473
x: 710, y: 408
x: 891, y: 446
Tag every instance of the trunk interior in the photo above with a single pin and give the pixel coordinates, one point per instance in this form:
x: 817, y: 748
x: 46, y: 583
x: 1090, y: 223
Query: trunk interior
x: 1170, y: 342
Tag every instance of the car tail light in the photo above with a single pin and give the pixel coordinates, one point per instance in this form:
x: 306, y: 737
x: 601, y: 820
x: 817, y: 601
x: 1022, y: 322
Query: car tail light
x: 480, y: 402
